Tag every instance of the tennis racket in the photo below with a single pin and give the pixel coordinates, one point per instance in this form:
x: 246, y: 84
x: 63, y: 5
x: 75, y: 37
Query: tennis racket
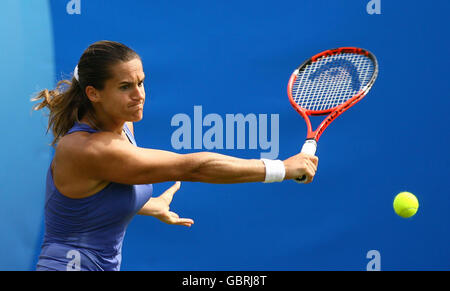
x: 329, y: 83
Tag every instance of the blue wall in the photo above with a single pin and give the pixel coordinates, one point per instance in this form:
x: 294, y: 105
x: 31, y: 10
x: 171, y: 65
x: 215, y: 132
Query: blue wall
x: 27, y: 65
x: 233, y: 57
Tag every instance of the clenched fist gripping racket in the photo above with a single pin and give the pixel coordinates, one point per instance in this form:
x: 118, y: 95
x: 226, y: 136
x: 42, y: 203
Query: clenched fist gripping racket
x: 329, y: 83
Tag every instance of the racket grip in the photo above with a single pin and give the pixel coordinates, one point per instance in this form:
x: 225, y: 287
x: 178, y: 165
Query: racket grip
x: 309, y: 148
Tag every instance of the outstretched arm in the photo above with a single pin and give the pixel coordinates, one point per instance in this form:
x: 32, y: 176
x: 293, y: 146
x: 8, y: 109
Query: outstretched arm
x: 108, y: 157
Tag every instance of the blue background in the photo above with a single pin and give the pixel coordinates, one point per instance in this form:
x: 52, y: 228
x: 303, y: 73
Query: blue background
x: 236, y: 57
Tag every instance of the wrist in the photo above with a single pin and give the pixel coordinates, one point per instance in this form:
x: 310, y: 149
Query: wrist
x: 275, y: 170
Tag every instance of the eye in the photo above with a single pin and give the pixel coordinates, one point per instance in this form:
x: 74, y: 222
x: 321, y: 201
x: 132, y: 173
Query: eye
x: 124, y: 87
x: 141, y: 84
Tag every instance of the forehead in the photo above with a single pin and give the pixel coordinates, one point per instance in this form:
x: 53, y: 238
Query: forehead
x: 131, y: 70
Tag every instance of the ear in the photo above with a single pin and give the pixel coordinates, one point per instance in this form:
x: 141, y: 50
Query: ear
x: 92, y: 94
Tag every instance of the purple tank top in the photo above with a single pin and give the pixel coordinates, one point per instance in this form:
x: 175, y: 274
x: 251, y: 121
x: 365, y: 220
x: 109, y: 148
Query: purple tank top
x: 87, y: 233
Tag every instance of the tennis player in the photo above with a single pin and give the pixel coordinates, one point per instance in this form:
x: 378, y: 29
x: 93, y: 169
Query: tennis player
x: 99, y: 179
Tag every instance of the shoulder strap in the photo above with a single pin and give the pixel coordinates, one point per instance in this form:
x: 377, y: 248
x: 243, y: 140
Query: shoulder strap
x: 81, y: 127
x: 129, y: 134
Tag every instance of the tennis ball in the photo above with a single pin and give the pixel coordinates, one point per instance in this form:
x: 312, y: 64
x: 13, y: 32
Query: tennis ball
x: 406, y: 204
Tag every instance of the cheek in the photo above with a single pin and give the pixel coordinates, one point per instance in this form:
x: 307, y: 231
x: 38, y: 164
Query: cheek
x: 143, y: 92
x: 116, y: 102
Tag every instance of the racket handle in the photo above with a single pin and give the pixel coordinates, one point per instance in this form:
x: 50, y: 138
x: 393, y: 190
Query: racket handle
x: 309, y: 148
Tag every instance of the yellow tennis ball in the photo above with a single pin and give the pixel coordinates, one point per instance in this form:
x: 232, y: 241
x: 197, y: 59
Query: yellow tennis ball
x: 406, y: 204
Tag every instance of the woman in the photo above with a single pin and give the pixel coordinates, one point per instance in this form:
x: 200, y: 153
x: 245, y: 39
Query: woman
x: 99, y: 179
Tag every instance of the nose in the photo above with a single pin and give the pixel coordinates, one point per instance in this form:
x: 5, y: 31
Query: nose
x: 138, y: 94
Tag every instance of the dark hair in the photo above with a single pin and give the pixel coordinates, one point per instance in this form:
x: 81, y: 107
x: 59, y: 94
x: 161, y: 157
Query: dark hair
x: 68, y: 102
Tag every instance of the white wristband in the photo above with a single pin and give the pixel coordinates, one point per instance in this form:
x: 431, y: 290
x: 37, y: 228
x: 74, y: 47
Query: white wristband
x: 275, y: 170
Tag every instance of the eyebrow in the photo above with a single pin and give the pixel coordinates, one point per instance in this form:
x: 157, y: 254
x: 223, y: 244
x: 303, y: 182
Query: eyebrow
x: 128, y: 82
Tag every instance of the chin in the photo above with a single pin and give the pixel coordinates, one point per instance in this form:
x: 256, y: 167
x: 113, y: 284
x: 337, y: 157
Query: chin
x: 137, y: 118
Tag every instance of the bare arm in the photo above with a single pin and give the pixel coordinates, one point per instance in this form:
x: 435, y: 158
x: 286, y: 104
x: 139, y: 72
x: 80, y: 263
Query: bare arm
x: 107, y: 157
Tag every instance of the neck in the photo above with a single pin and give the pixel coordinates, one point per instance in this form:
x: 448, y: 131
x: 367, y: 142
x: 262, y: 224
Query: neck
x: 103, y: 123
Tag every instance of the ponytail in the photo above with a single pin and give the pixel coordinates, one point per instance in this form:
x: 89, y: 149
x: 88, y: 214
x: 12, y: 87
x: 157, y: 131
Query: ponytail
x: 67, y: 104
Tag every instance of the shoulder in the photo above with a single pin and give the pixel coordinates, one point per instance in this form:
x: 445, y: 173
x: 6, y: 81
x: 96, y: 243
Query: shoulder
x: 79, y: 144
x: 83, y: 159
x: 75, y: 162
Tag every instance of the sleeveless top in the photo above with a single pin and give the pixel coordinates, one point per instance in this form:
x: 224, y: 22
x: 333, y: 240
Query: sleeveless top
x: 87, y: 233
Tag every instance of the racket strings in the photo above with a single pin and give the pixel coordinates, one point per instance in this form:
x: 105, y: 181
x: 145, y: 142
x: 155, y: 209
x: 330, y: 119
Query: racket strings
x: 332, y: 80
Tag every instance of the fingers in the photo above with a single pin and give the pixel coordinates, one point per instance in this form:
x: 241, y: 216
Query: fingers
x: 313, y: 164
x: 175, y: 187
x: 313, y: 159
x: 167, y: 216
x: 185, y: 222
x: 310, y: 164
x: 168, y: 194
x: 311, y: 169
x: 175, y: 219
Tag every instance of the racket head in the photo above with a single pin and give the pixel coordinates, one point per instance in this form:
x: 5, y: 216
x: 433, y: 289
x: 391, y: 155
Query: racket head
x: 332, y: 79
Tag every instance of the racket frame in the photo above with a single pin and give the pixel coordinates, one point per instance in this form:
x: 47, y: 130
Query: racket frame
x: 336, y: 111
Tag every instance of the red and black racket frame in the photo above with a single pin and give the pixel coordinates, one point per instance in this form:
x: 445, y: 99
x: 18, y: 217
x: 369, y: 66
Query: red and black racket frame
x: 335, y: 111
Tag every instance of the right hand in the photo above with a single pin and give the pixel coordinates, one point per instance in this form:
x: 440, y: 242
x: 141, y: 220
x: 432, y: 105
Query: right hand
x: 299, y: 165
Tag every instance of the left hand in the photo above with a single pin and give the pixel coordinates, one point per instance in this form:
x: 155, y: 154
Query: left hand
x: 160, y: 208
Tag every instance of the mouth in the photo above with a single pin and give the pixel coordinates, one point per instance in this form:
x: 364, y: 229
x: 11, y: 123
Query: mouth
x: 136, y: 105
